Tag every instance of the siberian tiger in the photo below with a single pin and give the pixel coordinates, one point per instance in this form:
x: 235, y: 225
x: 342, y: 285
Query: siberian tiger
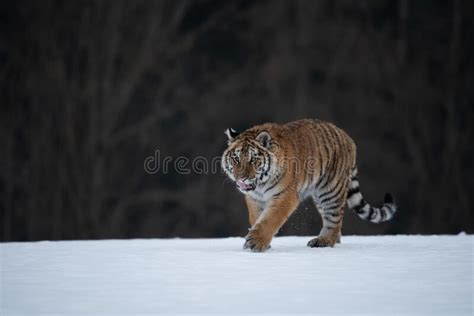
x: 278, y: 166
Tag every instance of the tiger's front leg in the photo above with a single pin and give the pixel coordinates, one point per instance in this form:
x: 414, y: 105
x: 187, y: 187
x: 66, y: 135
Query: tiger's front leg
x: 255, y: 209
x: 273, y: 217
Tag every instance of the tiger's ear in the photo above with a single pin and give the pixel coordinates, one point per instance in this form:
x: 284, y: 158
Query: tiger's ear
x: 231, y: 134
x: 264, y: 139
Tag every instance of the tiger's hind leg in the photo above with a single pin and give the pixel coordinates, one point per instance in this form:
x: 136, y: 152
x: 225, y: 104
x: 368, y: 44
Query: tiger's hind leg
x: 331, y: 206
x: 330, y: 233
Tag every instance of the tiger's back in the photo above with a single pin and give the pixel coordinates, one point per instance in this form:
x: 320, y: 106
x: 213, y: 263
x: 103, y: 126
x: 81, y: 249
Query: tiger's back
x: 320, y: 149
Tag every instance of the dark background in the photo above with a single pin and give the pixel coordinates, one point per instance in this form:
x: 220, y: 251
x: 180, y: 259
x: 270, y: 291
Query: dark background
x: 90, y: 89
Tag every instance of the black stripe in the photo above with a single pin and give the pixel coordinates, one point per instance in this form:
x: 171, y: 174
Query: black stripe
x: 371, y: 213
x: 329, y: 173
x: 340, y: 144
x: 351, y: 192
x: 326, y: 181
x: 316, y: 186
x: 332, y: 214
x: 276, y: 181
x: 266, y: 161
x: 324, y: 135
x: 330, y: 207
x: 269, y: 159
x: 383, y: 214
x: 359, y: 206
x: 392, y: 209
x: 332, y: 204
x: 330, y: 190
x: 319, y: 156
x: 331, y: 221
x: 279, y: 193
x: 326, y: 193
x: 336, y: 194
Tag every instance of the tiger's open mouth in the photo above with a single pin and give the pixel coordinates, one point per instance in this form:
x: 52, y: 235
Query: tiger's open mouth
x: 245, y: 186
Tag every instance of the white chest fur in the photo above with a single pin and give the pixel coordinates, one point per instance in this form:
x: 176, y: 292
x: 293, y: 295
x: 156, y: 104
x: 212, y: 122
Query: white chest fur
x: 263, y: 193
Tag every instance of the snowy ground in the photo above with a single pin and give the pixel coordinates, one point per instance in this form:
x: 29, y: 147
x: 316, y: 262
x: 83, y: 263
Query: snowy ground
x: 364, y: 275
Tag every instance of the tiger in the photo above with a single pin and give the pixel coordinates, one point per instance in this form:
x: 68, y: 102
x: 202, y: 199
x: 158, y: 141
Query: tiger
x: 277, y: 166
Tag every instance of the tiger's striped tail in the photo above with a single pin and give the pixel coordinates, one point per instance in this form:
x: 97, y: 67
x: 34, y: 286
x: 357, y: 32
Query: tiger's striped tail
x: 356, y: 203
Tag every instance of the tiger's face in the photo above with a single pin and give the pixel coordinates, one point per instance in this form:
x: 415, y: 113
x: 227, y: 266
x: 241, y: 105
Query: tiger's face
x: 248, y: 161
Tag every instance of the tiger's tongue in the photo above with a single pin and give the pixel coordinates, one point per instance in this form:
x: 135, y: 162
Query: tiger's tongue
x: 243, y: 185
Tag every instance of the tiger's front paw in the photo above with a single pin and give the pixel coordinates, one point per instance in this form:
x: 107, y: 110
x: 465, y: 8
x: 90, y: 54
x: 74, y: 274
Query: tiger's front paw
x: 256, y: 242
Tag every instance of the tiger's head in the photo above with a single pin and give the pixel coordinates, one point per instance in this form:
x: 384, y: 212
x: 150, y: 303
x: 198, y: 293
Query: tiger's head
x: 250, y: 158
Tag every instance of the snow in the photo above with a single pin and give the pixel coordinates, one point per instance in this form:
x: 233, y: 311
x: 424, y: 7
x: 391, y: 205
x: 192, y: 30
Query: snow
x: 363, y: 275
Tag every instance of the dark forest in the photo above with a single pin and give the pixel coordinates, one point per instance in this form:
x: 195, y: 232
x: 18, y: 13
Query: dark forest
x: 91, y: 89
